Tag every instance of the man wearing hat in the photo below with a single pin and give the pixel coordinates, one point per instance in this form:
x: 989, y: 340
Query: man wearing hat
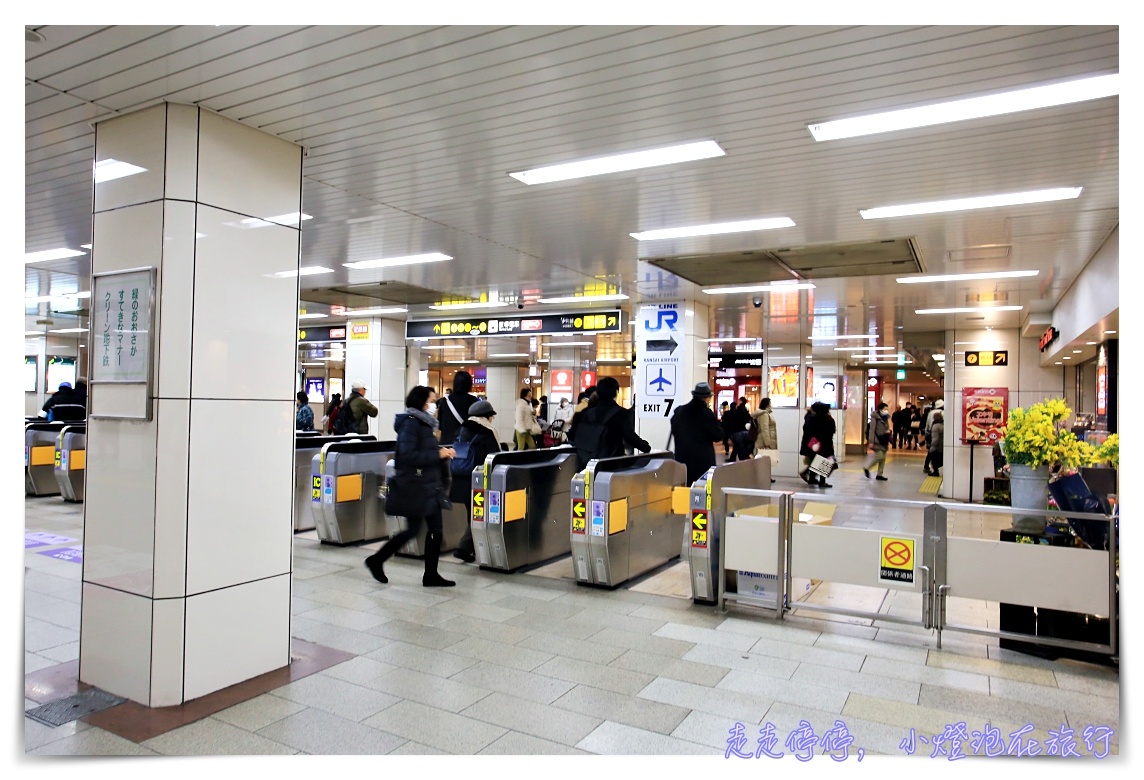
x: 478, y: 434
x: 360, y: 407
x: 695, y: 429
x: 64, y: 395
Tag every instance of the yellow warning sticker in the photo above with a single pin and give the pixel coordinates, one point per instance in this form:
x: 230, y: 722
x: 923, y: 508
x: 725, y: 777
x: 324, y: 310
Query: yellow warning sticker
x: 897, y: 564
x: 698, y: 538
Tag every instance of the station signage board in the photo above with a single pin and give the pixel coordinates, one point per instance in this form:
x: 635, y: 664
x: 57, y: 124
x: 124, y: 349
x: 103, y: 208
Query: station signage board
x: 1049, y: 336
x: 735, y: 359
x: 607, y: 321
x: 659, y: 364
x: 322, y: 334
x: 985, y: 358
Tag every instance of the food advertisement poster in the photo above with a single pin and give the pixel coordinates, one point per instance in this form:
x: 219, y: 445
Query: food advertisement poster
x: 783, y: 384
x: 984, y: 413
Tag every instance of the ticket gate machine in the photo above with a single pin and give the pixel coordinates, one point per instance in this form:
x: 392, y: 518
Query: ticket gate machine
x: 520, y: 507
x: 40, y: 458
x: 701, y: 538
x: 307, y: 444
x: 71, y: 461
x: 622, y: 520
x: 347, y: 500
x: 453, y: 522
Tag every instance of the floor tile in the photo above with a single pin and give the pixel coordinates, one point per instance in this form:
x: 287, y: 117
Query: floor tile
x: 795, y: 691
x: 39, y: 635
x: 92, y: 742
x: 604, y: 619
x: 808, y: 653
x: 210, y: 737
x: 526, y: 685
x: 33, y: 662
x: 921, y: 673
x: 346, y: 700
x: 703, y: 617
x: 357, y: 642
x: 489, y: 613
x: 641, y: 713
x: 554, y: 608
x: 687, y: 671
x: 320, y: 733
x: 769, y: 628
x: 597, y: 675
x: 995, y: 707
x: 513, y: 656
x: 716, y: 701
x: 713, y: 730
x: 436, y: 728
x: 1055, y: 697
x: 516, y: 744
x: 550, y: 625
x: 869, y: 647
x: 1108, y: 687
x: 259, y: 712
x: 360, y: 670
x: 37, y: 734
x: 871, y: 736
x: 706, y: 636
x: 582, y: 649
x: 539, y: 720
x: 421, y: 659
x: 894, y: 688
x: 617, y: 739
x: 428, y: 689
x: 344, y: 618
x: 487, y: 629
x: 655, y: 645
x: 990, y: 667
x: 412, y: 748
x: 726, y: 658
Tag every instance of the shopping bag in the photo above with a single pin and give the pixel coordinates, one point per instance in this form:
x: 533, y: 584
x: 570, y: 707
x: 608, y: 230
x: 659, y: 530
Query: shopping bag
x: 772, y: 454
x: 822, y: 466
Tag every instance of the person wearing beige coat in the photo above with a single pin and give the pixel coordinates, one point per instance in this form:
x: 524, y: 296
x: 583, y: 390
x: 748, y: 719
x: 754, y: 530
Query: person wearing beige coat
x: 767, y: 441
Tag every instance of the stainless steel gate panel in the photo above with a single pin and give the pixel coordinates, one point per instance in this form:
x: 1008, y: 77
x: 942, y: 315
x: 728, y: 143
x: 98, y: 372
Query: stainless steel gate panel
x: 71, y: 462
x: 40, y: 458
x: 351, y: 474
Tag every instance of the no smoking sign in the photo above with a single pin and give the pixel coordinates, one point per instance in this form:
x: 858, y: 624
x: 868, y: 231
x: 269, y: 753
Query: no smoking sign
x: 897, y: 564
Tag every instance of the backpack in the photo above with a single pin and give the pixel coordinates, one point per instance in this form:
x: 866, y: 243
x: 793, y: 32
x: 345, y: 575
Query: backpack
x: 466, y: 459
x: 753, y: 429
x: 589, y: 439
x: 344, y: 421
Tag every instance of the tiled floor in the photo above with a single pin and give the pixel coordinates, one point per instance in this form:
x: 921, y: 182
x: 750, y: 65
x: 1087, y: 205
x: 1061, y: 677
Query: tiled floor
x: 533, y: 664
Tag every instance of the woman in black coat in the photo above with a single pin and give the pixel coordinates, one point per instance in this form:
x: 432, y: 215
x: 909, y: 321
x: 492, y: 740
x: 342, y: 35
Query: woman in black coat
x: 818, y: 425
x: 480, y: 436
x: 417, y: 465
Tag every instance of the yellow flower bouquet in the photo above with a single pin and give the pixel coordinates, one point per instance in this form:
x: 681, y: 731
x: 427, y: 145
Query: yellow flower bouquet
x: 1035, y: 437
x: 1108, y: 451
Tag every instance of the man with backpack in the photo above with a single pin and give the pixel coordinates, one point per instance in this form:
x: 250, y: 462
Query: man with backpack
x: 475, y: 441
x: 455, y: 408
x: 354, y: 415
x: 695, y: 430
x: 602, y: 429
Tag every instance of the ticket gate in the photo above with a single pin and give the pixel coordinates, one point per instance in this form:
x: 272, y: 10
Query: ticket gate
x: 622, y: 520
x: 307, y: 444
x: 453, y: 523
x: 71, y: 461
x: 520, y: 507
x: 701, y: 537
x: 40, y: 458
x: 346, y: 496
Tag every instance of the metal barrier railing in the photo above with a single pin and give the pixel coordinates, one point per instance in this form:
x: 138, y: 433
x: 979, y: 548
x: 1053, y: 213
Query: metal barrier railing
x: 1030, y: 577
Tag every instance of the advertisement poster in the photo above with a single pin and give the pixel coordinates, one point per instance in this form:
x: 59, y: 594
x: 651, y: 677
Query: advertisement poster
x: 783, y: 384
x: 984, y: 413
x: 31, y: 373
x: 561, y: 385
x: 826, y: 390
x: 60, y: 369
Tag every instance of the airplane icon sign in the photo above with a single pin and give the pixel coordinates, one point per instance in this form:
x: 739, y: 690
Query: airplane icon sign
x: 659, y: 381
x: 663, y: 384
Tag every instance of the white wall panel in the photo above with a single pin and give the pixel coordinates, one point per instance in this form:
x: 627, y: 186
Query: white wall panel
x: 241, y: 498
x: 167, y: 638
x: 175, y: 282
x: 182, y: 160
x: 137, y: 139
x: 172, y: 467
x: 115, y: 651
x: 128, y: 238
x: 237, y: 633
x: 246, y: 171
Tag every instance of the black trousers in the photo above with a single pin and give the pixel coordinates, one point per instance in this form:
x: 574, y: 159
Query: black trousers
x: 436, y: 531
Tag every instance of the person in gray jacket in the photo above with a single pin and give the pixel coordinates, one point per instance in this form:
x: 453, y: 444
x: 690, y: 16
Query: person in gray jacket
x: 936, y: 443
x: 878, y: 438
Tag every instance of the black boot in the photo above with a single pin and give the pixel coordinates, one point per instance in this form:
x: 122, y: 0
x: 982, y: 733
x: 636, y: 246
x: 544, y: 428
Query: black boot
x: 374, y: 564
x: 464, y: 549
x: 432, y: 554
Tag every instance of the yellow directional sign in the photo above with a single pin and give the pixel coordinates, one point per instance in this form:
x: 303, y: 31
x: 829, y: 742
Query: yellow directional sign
x: 478, y: 498
x: 699, y: 520
x: 579, y: 508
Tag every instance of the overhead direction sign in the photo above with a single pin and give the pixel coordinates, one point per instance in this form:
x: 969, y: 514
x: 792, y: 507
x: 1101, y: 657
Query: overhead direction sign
x: 607, y: 321
x: 986, y: 358
x: 659, y: 359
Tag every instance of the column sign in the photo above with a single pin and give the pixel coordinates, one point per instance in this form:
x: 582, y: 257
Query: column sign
x: 537, y: 324
x: 1048, y: 338
x: 659, y: 360
x: 984, y: 413
x: 121, y: 326
x: 986, y: 358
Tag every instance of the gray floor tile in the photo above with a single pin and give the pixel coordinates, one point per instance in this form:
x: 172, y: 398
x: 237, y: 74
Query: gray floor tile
x: 687, y: 671
x: 655, y: 645
x: 772, y: 689
x: 512, y: 656
x: 921, y: 673
x: 554, y: 608
x: 360, y: 670
x: 526, y: 685
x: 37, y: 734
x: 713, y: 730
x: 872, y: 737
x: 706, y: 636
x: 345, y: 618
x: 413, y: 633
x: 725, y: 658
x: 210, y: 737
x: 716, y: 701
x: 421, y: 659
x: 489, y: 613
x: 39, y: 635
x: 1072, y: 700
x: 597, y: 675
x: 694, y: 615
x: 516, y: 744
x: 346, y: 700
x: 550, y: 625
x: 1097, y: 686
x: 357, y: 642
x: 320, y: 733
x: 33, y: 662
x: 584, y: 650
x: 868, y: 647
x: 259, y: 712
x: 487, y: 629
x: 989, y: 667
x: 894, y: 688
x: 92, y: 742
x: 533, y: 587
x: 633, y: 622
x: 834, y: 625
x: 968, y: 705
x: 412, y: 748
x: 641, y: 713
x: 771, y: 629
x: 618, y: 739
x: 529, y: 717
x: 428, y: 689
x: 808, y: 654
x: 618, y: 602
x: 436, y: 728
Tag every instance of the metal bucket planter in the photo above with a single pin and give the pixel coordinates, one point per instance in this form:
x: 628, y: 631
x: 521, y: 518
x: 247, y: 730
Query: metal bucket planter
x: 1029, y: 489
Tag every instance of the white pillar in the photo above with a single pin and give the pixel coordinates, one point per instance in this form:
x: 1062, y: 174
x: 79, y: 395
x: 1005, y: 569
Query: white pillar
x: 188, y: 514
x: 375, y: 355
x: 502, y: 391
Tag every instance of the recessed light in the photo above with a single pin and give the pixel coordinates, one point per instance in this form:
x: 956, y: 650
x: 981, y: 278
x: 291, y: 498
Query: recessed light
x: 444, y: 346
x: 1109, y: 332
x: 459, y: 362
x: 51, y: 254
x: 1077, y: 351
x: 969, y: 108
x: 584, y: 298
x: 510, y: 355
x: 1067, y: 357
x: 554, y: 344
x: 308, y: 270
x: 967, y: 204
x: 968, y: 309
x: 1091, y: 343
x: 966, y: 277
x: 866, y: 349
x: 390, y: 262
x: 473, y: 305
x: 736, y: 338
x: 850, y: 336
x: 628, y: 161
x: 381, y: 310
x: 773, y: 287
x: 715, y: 229
x: 313, y: 316
x: 106, y: 170
x: 69, y: 330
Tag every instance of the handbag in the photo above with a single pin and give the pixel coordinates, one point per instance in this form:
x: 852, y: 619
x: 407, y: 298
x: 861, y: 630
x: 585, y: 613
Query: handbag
x: 405, y: 495
x: 814, y: 444
x: 772, y: 454
x: 824, y: 467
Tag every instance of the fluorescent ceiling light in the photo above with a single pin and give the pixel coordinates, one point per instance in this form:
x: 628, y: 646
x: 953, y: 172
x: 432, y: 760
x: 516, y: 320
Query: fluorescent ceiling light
x: 1091, y: 343
x: 737, y: 338
x: 969, y: 108
x: 33, y: 333
x: 893, y: 362
x: 966, y: 277
x: 382, y: 310
x: 1077, y: 351
x: 313, y: 316
x: 554, y: 344
x: 313, y: 364
x: 966, y: 204
x: 85, y: 246
x: 630, y: 161
x: 460, y: 362
x: 445, y: 346
x: 282, y: 219
x: 69, y: 330
x: 308, y: 270
x: 848, y: 336
x: 510, y: 355
x: 870, y: 348
x: 106, y: 170
x: 584, y: 298
x: 474, y: 305
x: 715, y: 229
x: 1110, y: 332
x: 51, y: 254
x: 613, y: 360
x: 968, y: 309
x: 389, y: 262
x: 775, y: 287
x: 1067, y: 357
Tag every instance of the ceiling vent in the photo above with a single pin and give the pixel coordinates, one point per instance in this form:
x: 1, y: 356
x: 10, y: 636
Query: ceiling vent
x: 360, y: 296
x: 980, y: 253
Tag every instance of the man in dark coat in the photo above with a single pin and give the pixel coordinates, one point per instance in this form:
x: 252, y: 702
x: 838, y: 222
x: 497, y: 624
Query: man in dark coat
x: 735, y: 420
x: 455, y: 405
x: 819, y: 428
x: 478, y: 431
x: 603, y: 428
x: 694, y: 429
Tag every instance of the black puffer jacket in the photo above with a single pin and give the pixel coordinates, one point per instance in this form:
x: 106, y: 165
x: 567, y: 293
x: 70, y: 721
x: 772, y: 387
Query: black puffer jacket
x: 416, y: 459
x: 484, y: 443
